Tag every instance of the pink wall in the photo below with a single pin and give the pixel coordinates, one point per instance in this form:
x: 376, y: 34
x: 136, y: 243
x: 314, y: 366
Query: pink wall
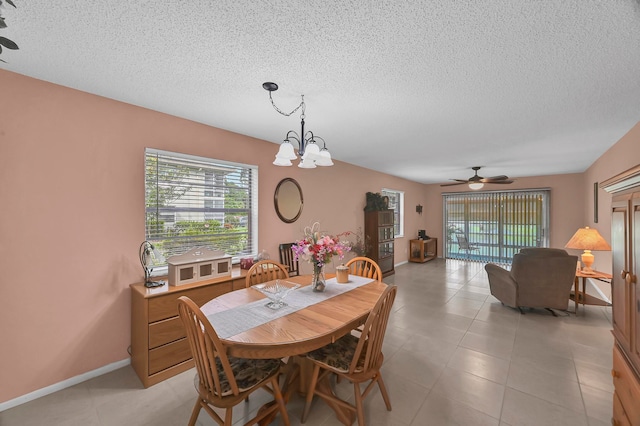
x: 566, y: 204
x: 622, y: 156
x: 72, y: 191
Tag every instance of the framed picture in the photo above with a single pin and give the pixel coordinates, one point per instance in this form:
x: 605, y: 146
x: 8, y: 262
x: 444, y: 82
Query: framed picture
x: 595, y: 202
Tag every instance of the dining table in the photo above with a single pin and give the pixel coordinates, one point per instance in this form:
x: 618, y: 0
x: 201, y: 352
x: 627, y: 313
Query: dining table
x: 309, y: 321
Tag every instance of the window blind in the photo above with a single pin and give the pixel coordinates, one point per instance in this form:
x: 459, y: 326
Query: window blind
x: 199, y: 202
x: 496, y: 224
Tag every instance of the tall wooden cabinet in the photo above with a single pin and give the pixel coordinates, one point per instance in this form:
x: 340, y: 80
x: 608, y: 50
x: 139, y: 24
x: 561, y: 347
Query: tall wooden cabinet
x: 379, y: 232
x: 625, y: 294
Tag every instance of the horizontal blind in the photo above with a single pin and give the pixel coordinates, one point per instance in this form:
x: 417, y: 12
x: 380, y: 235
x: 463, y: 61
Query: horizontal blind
x: 199, y: 202
x: 497, y: 224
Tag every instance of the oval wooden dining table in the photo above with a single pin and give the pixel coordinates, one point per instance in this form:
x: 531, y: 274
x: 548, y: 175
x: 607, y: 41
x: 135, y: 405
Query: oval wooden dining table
x: 298, y: 332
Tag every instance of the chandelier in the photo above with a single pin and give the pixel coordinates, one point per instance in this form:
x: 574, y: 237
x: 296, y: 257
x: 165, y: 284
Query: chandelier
x: 308, y: 144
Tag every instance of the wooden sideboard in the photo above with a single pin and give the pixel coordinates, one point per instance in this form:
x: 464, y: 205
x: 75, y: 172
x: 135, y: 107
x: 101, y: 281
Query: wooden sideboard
x: 159, y: 349
x: 625, y: 294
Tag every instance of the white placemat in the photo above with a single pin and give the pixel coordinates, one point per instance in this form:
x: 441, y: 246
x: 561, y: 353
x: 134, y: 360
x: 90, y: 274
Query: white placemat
x: 232, y: 321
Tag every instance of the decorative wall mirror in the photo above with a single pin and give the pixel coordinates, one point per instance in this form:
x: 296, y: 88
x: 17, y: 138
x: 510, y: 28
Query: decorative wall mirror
x: 288, y: 200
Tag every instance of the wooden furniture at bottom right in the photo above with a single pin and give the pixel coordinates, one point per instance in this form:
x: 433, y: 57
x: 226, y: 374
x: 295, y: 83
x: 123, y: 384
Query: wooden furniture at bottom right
x: 625, y: 294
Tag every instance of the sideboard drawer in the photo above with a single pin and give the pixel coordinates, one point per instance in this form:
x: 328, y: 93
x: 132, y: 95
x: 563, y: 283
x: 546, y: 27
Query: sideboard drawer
x: 168, y: 355
x: 165, y: 331
x: 627, y: 386
x: 167, y: 306
x: 159, y: 349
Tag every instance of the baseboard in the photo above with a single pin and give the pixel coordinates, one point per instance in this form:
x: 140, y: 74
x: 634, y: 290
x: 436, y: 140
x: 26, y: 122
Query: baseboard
x: 63, y: 384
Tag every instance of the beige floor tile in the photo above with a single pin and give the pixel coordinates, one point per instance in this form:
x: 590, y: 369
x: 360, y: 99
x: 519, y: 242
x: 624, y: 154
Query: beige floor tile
x: 406, y: 398
x: 449, y: 350
x: 521, y: 409
x: 598, y: 403
x: 557, y: 366
x: 414, y: 367
x: 478, y: 393
x: 501, y: 347
x: 548, y: 387
x: 595, y: 376
x: 479, y: 364
x: 439, y: 410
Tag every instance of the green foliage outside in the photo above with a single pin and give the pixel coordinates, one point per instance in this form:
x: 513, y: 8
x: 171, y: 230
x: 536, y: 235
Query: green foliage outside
x: 231, y: 237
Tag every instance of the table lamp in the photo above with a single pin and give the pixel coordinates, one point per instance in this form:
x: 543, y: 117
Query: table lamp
x: 587, y: 239
x: 150, y: 257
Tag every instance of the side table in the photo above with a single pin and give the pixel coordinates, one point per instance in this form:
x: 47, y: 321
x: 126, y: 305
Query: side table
x: 423, y: 250
x: 582, y: 296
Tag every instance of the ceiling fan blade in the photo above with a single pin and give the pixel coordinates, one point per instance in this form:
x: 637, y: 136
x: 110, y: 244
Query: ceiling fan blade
x: 454, y: 183
x: 460, y: 180
x: 501, y: 181
x: 494, y: 178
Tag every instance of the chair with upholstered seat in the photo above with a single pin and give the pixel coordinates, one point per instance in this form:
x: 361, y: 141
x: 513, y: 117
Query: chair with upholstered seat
x: 364, y: 267
x: 265, y: 270
x: 287, y: 259
x: 223, y: 381
x: 356, y: 358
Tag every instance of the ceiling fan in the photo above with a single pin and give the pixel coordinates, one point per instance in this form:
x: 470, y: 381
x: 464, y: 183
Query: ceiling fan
x: 477, y: 182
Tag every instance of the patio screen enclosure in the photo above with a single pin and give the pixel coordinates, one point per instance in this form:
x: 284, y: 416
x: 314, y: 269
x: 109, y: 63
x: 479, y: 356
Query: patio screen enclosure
x: 495, y: 224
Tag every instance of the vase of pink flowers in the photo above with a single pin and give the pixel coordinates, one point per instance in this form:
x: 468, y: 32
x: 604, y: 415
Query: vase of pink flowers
x: 318, y: 248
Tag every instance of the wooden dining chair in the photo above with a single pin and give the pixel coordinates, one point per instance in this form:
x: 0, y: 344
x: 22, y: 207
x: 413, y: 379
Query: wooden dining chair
x: 287, y: 259
x: 357, y: 359
x: 265, y: 270
x: 224, y: 381
x: 364, y: 267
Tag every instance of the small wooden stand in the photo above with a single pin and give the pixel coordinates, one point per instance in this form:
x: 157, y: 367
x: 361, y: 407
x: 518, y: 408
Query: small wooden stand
x: 423, y: 250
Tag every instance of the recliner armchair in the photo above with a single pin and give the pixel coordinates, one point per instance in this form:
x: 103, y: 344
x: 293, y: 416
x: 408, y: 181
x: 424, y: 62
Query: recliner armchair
x: 539, y: 278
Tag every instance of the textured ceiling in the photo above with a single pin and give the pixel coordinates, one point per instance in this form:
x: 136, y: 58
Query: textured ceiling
x: 418, y: 89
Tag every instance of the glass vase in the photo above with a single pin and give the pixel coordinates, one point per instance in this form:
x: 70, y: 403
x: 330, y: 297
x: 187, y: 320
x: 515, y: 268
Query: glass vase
x: 318, y: 283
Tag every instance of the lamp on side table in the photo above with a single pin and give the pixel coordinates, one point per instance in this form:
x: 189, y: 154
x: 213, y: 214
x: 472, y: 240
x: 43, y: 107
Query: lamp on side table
x: 587, y: 239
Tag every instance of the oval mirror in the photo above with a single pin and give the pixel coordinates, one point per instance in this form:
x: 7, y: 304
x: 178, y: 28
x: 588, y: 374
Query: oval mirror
x: 288, y: 200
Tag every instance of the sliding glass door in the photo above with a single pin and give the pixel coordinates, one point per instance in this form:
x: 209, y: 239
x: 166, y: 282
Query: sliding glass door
x: 493, y: 226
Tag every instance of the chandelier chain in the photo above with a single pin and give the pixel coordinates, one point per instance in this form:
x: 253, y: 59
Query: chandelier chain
x: 302, y: 105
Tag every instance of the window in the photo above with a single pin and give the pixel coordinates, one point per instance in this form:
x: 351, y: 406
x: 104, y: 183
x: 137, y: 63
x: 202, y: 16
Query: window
x: 396, y: 203
x: 199, y: 202
x: 493, y: 226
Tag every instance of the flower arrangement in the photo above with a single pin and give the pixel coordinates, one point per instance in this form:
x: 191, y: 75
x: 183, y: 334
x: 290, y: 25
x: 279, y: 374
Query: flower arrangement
x: 319, y: 249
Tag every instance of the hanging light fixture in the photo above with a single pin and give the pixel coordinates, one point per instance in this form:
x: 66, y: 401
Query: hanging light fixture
x: 308, y: 148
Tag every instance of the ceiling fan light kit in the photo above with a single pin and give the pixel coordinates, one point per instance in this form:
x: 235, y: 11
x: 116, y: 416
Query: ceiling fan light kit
x: 308, y: 148
x: 476, y: 182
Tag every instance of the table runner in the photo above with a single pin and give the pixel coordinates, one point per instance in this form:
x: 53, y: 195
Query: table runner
x: 232, y: 321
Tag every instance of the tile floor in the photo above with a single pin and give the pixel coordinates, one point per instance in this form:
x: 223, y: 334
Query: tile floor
x: 454, y: 356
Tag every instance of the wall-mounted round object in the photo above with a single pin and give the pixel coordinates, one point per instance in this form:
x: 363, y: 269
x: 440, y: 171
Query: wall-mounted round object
x: 288, y: 200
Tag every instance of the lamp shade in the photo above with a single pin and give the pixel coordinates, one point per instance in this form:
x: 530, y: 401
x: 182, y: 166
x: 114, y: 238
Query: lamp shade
x: 587, y: 239
x: 307, y: 164
x: 286, y: 151
x: 476, y: 185
x: 282, y: 161
x: 311, y: 151
x: 325, y: 158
